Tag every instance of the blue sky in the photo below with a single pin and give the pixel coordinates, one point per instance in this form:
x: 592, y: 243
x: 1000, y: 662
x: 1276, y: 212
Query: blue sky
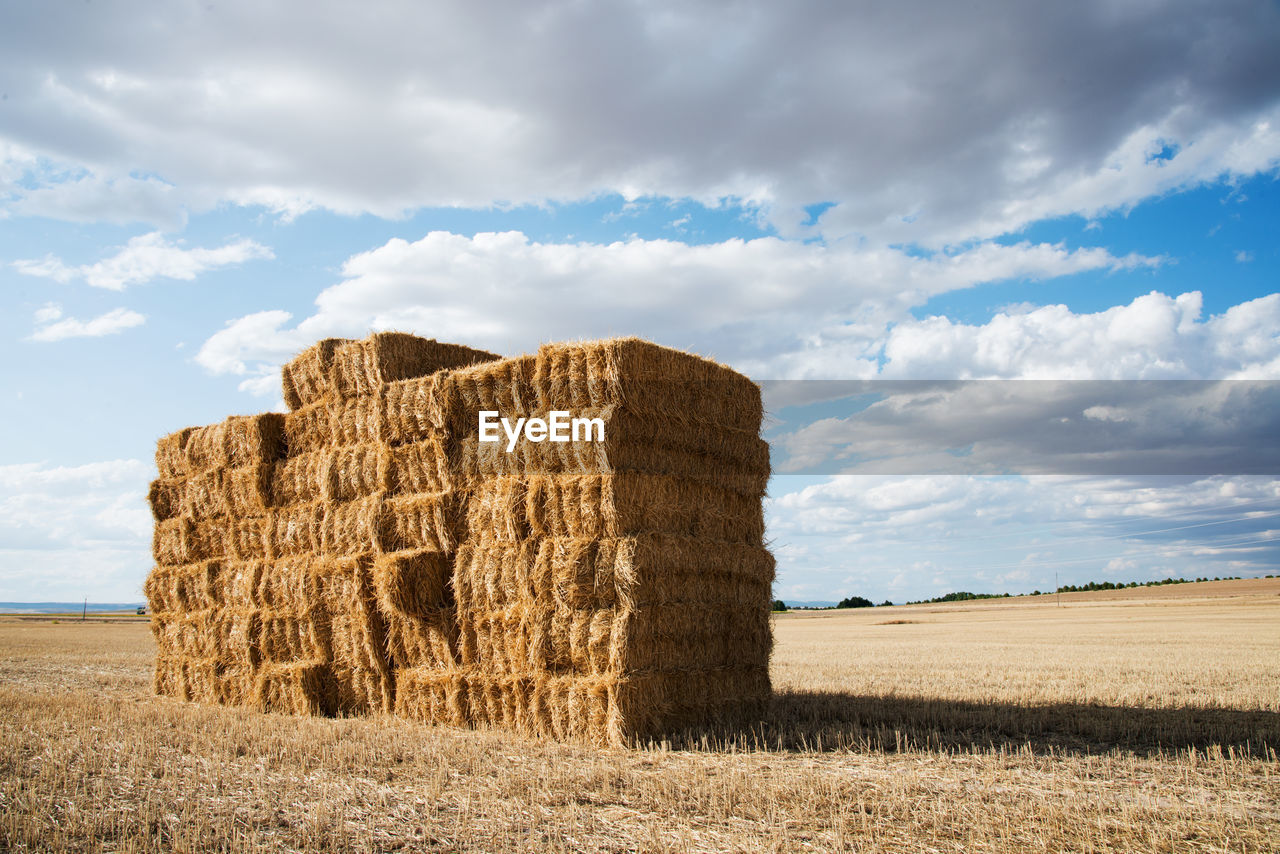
x: 190, y: 194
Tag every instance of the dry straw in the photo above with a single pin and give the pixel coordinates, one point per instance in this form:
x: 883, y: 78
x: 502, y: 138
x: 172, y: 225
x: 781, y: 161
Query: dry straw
x: 365, y: 553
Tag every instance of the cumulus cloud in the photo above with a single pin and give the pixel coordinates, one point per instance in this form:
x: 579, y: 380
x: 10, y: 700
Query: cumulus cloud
x: 773, y: 307
x: 921, y: 122
x: 52, y: 326
x: 73, y: 531
x: 143, y: 259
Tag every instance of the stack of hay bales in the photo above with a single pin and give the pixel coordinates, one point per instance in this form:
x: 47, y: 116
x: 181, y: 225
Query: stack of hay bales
x: 601, y: 590
x: 212, y: 508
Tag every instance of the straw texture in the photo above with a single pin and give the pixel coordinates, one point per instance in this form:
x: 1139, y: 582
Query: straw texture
x: 366, y: 553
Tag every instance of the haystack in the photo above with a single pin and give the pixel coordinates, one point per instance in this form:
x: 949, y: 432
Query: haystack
x: 366, y: 552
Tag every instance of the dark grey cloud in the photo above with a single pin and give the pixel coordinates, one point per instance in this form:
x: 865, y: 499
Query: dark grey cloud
x: 1026, y: 427
x: 921, y: 121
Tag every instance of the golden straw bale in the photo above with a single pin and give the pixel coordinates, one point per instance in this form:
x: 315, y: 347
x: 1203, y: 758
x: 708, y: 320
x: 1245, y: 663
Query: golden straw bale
x: 352, y: 527
x: 416, y: 409
x: 297, y: 529
x: 306, y: 379
x: 247, y: 537
x: 357, y: 421
x: 419, y: 466
x: 300, y: 479
x: 284, y: 636
x: 296, y: 688
x: 421, y: 641
x: 426, y: 521
x: 168, y: 678
x: 166, y: 497
x: 503, y: 386
x: 190, y: 587
x: 241, y: 440
x: 416, y: 582
x: 171, y: 454
x: 237, y: 582
x: 286, y: 584
x: 433, y: 695
x: 594, y: 506
x: 356, y: 471
x: 205, y: 496
x: 357, y: 633
x: 647, y: 377
x: 737, y: 460
x: 246, y: 490
x: 180, y: 540
x: 362, y: 367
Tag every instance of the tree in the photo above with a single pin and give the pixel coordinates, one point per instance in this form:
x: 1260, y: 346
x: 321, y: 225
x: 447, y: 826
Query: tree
x: 855, y: 602
x: 779, y: 605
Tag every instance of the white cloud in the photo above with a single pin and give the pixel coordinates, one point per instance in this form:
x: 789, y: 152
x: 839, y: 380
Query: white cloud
x: 73, y: 531
x: 94, y: 199
x: 772, y: 307
x: 1153, y: 337
x: 923, y: 536
x: 921, y: 121
x: 1244, y: 256
x: 144, y: 258
x: 52, y: 326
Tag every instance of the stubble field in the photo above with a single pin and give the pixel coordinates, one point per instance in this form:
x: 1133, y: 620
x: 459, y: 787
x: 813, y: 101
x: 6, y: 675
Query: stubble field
x: 1147, y: 720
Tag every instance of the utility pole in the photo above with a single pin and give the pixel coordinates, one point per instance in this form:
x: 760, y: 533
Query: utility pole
x: 85, y: 612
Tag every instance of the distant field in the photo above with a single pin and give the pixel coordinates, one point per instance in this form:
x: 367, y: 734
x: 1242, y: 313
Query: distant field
x: 1137, y: 720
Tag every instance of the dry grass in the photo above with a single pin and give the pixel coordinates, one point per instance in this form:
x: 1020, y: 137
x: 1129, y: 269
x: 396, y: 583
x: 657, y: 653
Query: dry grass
x: 1148, y: 724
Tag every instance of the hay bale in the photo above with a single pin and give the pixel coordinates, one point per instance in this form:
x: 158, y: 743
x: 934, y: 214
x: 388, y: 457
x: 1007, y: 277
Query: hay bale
x: 646, y: 378
x: 612, y: 505
x: 296, y: 688
x: 433, y: 695
x: 599, y: 591
x: 356, y: 471
x: 416, y: 409
x: 416, y: 583
x: 166, y: 497
x: 180, y: 589
x: 352, y: 527
x: 322, y: 425
x: 181, y: 540
x: 283, y: 636
x: 241, y: 440
x: 419, y: 466
x: 247, y: 538
x: 736, y: 460
x: 427, y: 521
x: 297, y: 529
x: 300, y: 479
x: 306, y: 379
x: 360, y: 663
x: 363, y: 367
x: 171, y: 454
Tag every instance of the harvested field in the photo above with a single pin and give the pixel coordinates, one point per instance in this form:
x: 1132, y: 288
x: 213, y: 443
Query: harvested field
x: 1145, y: 725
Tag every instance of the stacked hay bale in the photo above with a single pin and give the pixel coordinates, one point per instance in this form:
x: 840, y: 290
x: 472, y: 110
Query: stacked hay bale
x: 211, y: 506
x: 603, y: 590
x: 337, y: 513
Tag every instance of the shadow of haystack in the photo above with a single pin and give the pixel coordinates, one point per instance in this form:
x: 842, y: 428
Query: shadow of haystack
x: 816, y: 721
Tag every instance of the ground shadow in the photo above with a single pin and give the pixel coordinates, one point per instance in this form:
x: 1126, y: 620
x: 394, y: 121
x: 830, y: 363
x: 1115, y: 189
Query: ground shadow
x: 823, y: 721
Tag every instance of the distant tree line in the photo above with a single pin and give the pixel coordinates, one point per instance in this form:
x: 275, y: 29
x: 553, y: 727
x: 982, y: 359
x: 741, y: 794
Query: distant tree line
x: 964, y: 595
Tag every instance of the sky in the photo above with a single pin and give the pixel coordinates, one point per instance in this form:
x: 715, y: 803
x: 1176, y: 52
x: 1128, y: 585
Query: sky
x: 944, y: 200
